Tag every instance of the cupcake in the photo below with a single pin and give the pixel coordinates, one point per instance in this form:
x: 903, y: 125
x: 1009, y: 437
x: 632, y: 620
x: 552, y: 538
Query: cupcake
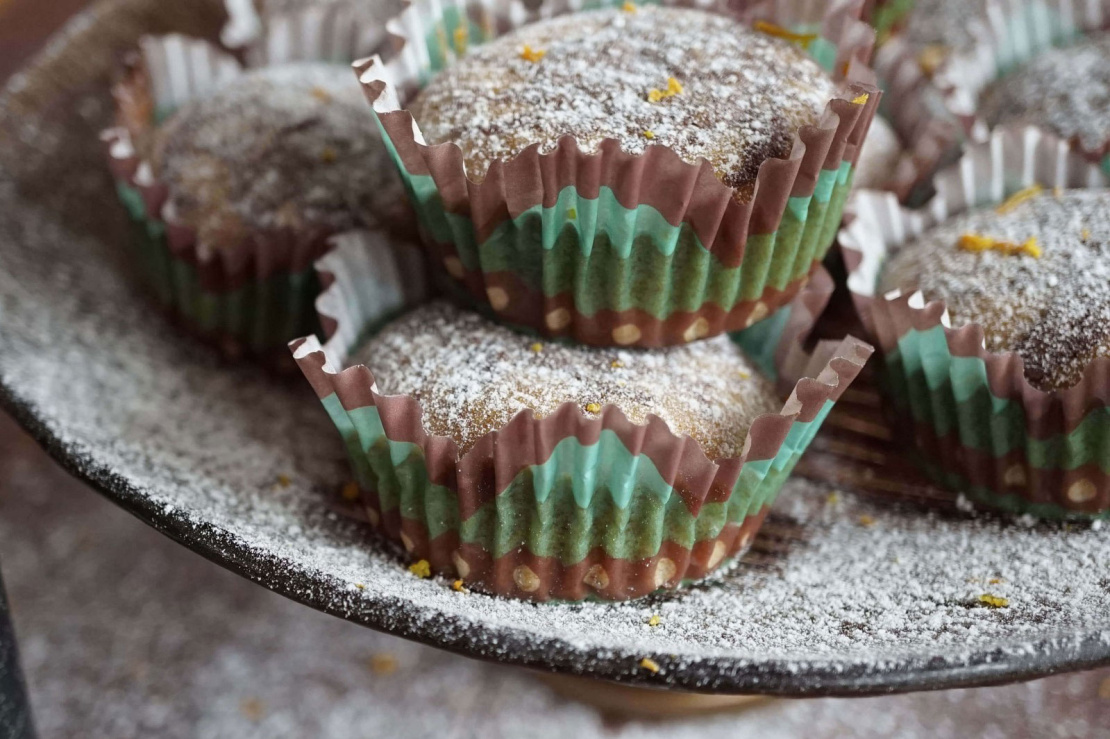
x: 992, y: 309
x: 1034, y: 276
x: 879, y: 158
x: 236, y: 178
x: 538, y: 469
x: 1065, y: 91
x: 1011, y: 63
x: 287, y: 148
x: 624, y: 176
x: 926, y: 39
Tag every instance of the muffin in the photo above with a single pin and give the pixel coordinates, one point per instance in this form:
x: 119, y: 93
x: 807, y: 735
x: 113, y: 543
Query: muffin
x: 285, y: 148
x: 594, y: 175
x: 659, y: 76
x: 1064, y: 90
x: 991, y: 306
x: 1035, y: 277
x: 472, y: 376
x: 237, y: 170
x: 878, y: 158
x: 538, y: 469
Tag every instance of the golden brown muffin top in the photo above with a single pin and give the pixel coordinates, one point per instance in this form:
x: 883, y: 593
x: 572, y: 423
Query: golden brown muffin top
x: 291, y: 145
x: 1066, y: 91
x: 1033, y: 273
x: 702, y: 84
x: 472, y: 376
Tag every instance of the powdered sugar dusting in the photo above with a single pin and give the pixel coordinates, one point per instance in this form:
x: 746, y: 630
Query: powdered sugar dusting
x: 945, y: 23
x: 744, y: 94
x: 1065, y: 90
x: 286, y: 146
x: 1053, y: 310
x: 822, y: 599
x: 472, y: 376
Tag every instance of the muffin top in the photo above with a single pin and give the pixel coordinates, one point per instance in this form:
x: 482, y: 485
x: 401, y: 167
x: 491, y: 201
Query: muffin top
x: 879, y: 156
x: 944, y: 24
x: 1034, y: 274
x: 472, y: 376
x: 1065, y: 90
x: 285, y: 146
x: 702, y: 84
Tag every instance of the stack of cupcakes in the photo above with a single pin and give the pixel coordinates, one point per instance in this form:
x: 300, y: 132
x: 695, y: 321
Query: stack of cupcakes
x: 604, y: 201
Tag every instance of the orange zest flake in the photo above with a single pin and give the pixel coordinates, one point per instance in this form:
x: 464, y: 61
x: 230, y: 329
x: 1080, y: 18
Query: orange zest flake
x: 421, y: 568
x: 458, y: 586
x: 650, y: 665
x: 931, y: 57
x: 977, y: 243
x: 536, y: 347
x: 1084, y: 235
x: 321, y: 94
x: 805, y: 39
x: 462, y: 37
x: 629, y: 7
x: 861, y: 99
x: 572, y: 213
x: 654, y: 620
x: 616, y: 364
x: 649, y: 135
x: 383, y: 664
x: 349, y: 491
x: 1018, y: 198
x: 674, y: 87
x: 593, y: 408
x: 284, y: 481
x: 529, y: 54
x: 866, y: 520
x: 993, y: 601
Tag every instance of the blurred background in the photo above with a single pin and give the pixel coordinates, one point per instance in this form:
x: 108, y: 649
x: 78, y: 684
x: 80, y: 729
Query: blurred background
x: 124, y: 633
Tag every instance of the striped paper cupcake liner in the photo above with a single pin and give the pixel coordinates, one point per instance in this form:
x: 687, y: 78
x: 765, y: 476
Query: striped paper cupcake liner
x: 932, y: 96
x: 254, y: 295
x: 565, y: 507
x: 668, y: 254
x: 979, y: 427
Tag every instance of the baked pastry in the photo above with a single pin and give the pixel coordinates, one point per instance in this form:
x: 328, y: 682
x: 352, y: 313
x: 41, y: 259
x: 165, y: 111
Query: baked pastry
x: 702, y: 84
x: 472, y: 376
x: 1033, y: 273
x: 1063, y: 90
x: 287, y: 147
x: 878, y: 159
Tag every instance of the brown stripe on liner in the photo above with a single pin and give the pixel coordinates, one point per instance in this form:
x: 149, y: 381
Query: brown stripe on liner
x: 546, y: 578
x: 1085, y: 489
x: 525, y: 306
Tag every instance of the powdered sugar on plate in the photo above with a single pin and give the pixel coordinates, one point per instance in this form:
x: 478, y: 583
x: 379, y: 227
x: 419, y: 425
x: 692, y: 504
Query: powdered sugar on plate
x: 851, y: 594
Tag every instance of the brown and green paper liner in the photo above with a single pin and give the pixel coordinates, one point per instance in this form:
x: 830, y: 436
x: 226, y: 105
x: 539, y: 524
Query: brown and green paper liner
x: 667, y: 252
x: 979, y: 427
x: 932, y: 93
x: 568, y: 506
x: 255, y: 294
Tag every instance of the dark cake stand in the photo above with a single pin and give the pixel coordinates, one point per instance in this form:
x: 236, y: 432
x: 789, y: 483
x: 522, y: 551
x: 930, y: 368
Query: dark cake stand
x: 874, y: 587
